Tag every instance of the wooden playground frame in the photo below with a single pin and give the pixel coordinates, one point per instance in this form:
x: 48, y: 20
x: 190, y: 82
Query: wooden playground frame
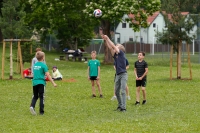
x: 19, y: 54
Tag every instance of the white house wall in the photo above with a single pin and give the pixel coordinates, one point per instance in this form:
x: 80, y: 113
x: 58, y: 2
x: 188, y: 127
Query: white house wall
x: 145, y: 35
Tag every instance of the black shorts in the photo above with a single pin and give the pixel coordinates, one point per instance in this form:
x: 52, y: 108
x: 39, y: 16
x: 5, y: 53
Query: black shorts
x: 142, y: 83
x: 93, y: 77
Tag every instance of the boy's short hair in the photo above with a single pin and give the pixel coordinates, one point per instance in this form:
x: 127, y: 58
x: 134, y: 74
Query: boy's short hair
x: 38, y: 49
x: 93, y: 52
x: 121, y: 47
x: 40, y: 55
x: 143, y: 53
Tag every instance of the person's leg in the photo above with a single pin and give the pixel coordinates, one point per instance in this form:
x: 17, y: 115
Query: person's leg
x: 144, y: 93
x: 35, y: 96
x: 99, y: 87
x: 34, y: 100
x: 93, y: 88
x: 127, y: 93
x: 114, y: 96
x: 138, y: 94
x: 123, y: 81
x: 117, y: 90
x: 144, y: 90
x: 41, y: 95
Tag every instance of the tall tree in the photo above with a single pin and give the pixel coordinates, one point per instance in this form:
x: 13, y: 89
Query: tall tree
x: 178, y: 26
x: 12, y: 24
x: 65, y: 18
x: 113, y: 10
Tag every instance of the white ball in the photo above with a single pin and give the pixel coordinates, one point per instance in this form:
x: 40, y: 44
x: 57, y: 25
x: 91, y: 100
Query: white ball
x: 97, y: 13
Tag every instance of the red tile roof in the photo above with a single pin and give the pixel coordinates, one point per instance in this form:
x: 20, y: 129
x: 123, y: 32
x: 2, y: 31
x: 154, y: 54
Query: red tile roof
x: 150, y: 19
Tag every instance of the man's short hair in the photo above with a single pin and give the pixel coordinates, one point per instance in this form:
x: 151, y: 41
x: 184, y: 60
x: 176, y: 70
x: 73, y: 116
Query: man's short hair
x: 40, y: 55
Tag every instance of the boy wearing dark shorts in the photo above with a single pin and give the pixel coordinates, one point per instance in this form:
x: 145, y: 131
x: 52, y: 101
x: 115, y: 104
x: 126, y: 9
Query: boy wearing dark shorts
x: 94, y: 73
x: 140, y: 71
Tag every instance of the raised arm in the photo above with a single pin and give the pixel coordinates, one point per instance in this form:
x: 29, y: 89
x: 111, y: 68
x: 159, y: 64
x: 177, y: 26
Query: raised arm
x: 110, y: 44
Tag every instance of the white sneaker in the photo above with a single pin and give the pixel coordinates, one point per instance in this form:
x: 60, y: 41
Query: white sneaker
x: 32, y: 111
x: 128, y: 97
x: 113, y: 98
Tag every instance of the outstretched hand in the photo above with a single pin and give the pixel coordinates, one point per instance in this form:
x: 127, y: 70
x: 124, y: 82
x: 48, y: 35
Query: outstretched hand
x: 105, y: 37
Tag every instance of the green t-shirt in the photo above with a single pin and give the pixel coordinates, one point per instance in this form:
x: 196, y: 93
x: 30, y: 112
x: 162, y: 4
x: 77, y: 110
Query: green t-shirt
x: 93, y: 64
x: 39, y: 70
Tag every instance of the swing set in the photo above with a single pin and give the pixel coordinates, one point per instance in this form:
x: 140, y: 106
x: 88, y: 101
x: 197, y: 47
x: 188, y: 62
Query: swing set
x: 19, y: 56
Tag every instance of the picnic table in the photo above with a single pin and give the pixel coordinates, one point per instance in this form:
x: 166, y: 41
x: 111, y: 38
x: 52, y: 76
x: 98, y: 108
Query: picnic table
x: 71, y: 54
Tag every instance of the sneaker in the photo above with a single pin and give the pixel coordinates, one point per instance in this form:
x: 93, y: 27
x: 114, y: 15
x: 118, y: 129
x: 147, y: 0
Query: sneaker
x: 113, y: 98
x: 32, y: 111
x: 128, y: 97
x: 118, y: 109
x: 93, y: 95
x: 137, y: 103
x: 144, y: 102
x: 101, y: 96
x: 122, y: 110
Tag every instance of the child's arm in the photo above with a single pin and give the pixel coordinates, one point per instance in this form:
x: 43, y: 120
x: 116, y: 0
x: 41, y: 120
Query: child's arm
x: 145, y: 73
x: 98, y: 77
x: 114, y: 67
x: 135, y: 72
x: 50, y: 79
x: 110, y: 45
x: 127, y: 67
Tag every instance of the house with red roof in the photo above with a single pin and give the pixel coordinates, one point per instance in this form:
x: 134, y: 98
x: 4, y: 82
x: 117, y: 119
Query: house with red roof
x: 125, y: 33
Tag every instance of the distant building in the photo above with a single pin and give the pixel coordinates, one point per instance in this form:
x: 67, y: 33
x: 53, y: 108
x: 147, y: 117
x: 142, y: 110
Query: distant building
x: 125, y: 33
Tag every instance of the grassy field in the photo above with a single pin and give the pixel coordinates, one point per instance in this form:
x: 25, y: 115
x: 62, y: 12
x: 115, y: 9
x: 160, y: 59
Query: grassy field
x: 172, y: 105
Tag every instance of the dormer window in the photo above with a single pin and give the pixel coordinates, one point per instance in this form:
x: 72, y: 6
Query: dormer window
x: 154, y: 25
x: 123, y: 25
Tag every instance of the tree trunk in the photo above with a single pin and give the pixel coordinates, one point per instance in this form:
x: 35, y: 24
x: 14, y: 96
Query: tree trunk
x: 189, y: 62
x: 179, y: 60
x: 108, y: 59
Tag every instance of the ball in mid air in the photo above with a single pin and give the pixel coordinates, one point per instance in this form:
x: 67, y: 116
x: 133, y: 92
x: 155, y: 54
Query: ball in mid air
x: 97, y: 13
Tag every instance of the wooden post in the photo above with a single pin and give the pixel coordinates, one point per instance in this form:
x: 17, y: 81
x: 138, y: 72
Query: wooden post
x: 18, y: 64
x: 11, y: 61
x: 3, y: 60
x: 20, y: 59
x: 171, y: 61
x: 189, y: 62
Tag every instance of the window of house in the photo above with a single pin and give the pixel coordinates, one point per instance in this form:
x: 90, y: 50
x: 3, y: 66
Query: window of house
x: 131, y: 39
x: 118, y: 40
x: 154, y: 25
x: 123, y: 25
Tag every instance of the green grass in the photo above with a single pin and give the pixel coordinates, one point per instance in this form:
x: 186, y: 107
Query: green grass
x: 172, y: 105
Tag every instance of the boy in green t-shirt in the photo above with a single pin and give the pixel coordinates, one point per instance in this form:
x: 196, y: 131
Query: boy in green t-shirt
x: 94, y: 73
x: 40, y: 69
